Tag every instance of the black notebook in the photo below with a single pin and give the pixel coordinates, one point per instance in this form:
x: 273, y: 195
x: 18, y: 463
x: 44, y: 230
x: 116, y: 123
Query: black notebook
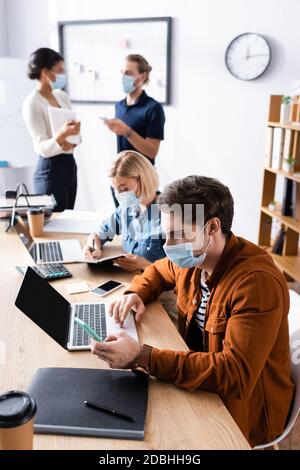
x: 60, y: 394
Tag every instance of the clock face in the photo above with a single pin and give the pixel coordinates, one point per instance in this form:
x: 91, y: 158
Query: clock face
x: 248, y: 56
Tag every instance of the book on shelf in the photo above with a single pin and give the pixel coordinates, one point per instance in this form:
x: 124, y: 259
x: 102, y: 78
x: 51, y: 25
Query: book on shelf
x: 287, y: 203
x: 288, y: 144
x: 296, y: 200
x: 279, y: 242
x: 269, y: 147
x: 277, y: 150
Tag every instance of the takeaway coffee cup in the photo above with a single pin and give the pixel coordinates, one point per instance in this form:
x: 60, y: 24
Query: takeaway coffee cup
x: 36, y: 222
x: 17, y: 410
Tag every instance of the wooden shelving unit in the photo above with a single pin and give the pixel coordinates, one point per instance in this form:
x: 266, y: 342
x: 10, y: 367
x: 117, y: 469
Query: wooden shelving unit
x: 289, y: 261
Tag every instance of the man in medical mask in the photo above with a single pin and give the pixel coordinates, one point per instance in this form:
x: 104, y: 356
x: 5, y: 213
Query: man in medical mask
x: 139, y: 119
x: 233, y: 304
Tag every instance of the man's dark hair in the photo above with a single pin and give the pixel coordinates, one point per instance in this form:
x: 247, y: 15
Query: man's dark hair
x: 43, y: 58
x: 193, y: 190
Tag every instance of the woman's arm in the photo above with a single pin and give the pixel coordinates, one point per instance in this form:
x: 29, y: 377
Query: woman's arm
x: 34, y: 119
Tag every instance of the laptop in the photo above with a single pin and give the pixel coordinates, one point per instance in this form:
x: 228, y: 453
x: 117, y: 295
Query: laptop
x: 55, y: 315
x: 50, y: 252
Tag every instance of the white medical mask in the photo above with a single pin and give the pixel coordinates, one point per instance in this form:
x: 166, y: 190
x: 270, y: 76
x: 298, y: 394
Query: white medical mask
x: 128, y: 84
x: 60, y: 81
x: 127, y: 199
x: 182, y: 254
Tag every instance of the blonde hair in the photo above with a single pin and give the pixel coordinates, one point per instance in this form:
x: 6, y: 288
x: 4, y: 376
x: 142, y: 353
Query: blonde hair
x: 131, y: 164
x: 143, y: 65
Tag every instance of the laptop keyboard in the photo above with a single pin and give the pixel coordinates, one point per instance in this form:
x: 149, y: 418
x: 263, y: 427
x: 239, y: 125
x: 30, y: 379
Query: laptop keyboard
x: 94, y: 316
x: 32, y: 252
x: 50, y: 252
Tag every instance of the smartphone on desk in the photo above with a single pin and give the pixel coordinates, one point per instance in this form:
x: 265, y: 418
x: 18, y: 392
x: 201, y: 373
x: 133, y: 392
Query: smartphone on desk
x: 106, y: 288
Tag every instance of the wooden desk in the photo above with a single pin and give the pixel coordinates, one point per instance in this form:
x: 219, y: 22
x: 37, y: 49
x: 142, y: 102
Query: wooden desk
x: 176, y: 419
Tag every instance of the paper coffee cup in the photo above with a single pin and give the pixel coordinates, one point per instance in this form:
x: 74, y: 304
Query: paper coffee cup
x: 36, y: 222
x: 17, y: 410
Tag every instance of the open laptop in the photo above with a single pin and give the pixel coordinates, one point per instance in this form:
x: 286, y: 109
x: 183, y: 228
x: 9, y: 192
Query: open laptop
x: 48, y: 309
x: 50, y: 252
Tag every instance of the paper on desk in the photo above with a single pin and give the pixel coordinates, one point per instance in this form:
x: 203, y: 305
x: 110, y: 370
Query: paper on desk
x: 70, y: 221
x: 77, y: 287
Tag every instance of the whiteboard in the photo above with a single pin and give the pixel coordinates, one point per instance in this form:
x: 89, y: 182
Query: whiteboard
x: 94, y: 53
x: 16, y: 144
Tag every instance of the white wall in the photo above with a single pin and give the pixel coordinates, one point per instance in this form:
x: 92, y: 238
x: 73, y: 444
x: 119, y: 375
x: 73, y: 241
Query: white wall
x: 28, y: 26
x: 3, y: 29
x: 216, y: 125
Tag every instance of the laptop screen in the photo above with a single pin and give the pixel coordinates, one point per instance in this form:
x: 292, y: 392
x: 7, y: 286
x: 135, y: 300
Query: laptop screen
x: 23, y: 233
x: 44, y: 306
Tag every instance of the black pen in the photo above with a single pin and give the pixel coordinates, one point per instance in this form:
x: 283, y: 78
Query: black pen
x: 110, y: 411
x: 93, y: 245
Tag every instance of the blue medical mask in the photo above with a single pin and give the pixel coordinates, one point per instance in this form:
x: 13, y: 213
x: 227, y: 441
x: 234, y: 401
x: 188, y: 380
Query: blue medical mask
x: 182, y: 254
x: 128, y: 84
x: 127, y: 199
x: 60, y: 81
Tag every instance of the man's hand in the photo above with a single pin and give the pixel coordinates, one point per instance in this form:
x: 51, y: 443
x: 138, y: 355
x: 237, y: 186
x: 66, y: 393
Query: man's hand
x: 119, y: 351
x: 132, y: 262
x: 117, y: 126
x: 119, y: 309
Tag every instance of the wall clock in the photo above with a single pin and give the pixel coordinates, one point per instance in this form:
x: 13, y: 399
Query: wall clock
x: 248, y: 56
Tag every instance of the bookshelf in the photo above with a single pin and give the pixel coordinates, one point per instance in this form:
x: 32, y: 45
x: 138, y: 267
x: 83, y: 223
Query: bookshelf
x: 289, y: 261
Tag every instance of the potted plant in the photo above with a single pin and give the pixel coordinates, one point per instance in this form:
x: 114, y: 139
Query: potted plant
x: 285, y: 109
x: 288, y: 164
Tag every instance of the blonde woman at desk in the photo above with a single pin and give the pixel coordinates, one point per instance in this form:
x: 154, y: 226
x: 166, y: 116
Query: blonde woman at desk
x: 56, y: 170
x: 137, y: 218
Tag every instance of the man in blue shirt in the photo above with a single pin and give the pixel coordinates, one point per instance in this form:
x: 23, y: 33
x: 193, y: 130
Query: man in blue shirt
x: 140, y: 119
x: 146, y: 118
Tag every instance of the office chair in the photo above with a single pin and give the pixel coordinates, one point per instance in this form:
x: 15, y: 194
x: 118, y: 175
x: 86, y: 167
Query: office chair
x: 294, y: 333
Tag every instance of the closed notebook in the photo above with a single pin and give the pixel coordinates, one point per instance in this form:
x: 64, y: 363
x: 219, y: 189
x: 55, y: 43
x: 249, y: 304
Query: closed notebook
x: 60, y: 394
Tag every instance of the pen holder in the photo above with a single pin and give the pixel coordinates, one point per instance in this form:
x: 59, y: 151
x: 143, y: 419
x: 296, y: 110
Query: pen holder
x: 36, y: 222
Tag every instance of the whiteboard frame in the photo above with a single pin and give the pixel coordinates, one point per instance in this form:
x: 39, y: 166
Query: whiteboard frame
x: 165, y: 19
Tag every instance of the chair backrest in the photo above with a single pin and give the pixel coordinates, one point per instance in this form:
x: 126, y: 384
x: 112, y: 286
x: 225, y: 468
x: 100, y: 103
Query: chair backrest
x: 294, y: 333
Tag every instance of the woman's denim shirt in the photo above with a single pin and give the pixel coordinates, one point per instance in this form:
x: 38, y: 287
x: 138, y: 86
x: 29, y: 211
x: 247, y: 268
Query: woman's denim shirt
x: 141, y: 231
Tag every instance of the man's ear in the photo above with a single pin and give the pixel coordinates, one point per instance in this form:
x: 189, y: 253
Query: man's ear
x: 144, y: 77
x: 215, y: 226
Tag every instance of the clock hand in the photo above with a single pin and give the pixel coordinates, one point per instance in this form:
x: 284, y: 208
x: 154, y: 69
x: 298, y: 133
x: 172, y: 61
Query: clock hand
x: 247, y: 53
x: 258, y: 55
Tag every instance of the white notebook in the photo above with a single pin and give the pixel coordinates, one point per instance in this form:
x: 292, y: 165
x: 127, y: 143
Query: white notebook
x: 57, y: 117
x: 278, y: 141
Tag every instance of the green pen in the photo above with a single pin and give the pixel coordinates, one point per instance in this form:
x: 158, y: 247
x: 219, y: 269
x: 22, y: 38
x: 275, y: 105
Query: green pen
x: 89, y: 331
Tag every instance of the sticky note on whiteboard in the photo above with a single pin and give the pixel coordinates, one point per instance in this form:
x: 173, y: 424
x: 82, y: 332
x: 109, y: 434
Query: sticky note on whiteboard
x: 2, y: 92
